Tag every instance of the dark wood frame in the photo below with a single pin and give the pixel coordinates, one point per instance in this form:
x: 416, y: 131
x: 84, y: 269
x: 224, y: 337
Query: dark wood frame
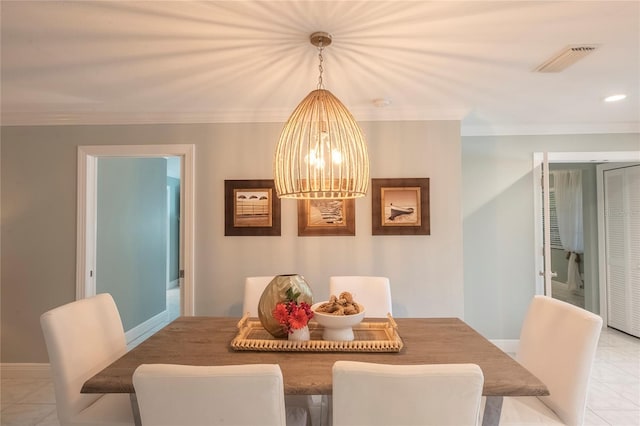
x: 305, y: 229
x: 230, y: 188
x: 381, y: 226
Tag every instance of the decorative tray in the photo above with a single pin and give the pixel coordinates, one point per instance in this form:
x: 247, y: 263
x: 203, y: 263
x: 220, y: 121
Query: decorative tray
x: 369, y: 337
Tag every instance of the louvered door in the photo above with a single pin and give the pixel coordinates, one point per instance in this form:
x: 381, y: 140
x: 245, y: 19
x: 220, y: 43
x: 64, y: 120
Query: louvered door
x: 622, y: 234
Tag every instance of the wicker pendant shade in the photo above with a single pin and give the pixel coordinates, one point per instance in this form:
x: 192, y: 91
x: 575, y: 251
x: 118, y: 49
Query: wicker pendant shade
x: 321, y: 152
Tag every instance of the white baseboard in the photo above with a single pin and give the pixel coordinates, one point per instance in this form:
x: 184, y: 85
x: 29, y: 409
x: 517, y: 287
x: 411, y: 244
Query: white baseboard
x: 149, y: 324
x: 507, y: 345
x: 20, y: 370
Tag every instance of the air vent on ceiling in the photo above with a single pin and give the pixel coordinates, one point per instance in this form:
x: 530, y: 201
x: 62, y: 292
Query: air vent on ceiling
x: 567, y: 56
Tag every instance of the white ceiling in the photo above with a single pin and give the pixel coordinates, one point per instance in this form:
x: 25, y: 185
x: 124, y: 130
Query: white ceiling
x: 98, y: 62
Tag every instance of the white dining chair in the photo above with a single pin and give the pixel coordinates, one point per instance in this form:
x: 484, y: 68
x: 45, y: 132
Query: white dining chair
x: 253, y: 288
x: 188, y: 395
x: 374, y: 293
x: 428, y: 394
x: 82, y: 338
x: 558, y: 343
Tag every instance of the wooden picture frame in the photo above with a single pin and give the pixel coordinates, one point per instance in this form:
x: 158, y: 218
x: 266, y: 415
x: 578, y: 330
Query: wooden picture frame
x: 251, y: 208
x: 400, y: 206
x: 326, y: 217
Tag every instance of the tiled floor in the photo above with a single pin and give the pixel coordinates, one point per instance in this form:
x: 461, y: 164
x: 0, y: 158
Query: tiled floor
x: 614, y: 391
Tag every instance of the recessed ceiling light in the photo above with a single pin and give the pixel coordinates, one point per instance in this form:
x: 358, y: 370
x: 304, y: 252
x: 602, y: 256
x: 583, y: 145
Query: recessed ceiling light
x: 614, y: 98
x: 382, y: 102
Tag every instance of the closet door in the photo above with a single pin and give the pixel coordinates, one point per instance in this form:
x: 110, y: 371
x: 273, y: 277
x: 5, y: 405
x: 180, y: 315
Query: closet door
x: 622, y: 230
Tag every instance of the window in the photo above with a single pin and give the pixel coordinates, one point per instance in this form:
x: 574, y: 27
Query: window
x: 556, y: 243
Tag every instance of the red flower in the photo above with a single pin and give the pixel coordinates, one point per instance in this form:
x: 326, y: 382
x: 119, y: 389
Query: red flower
x: 281, y: 313
x: 292, y: 315
x: 298, y: 319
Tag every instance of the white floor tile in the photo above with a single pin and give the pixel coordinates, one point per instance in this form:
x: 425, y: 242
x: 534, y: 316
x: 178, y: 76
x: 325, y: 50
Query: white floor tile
x: 14, y: 390
x: 620, y: 417
x: 607, y: 372
x: 602, y: 397
x: 592, y: 419
x: 614, y: 354
x: 43, y: 395
x: 50, y: 420
x: 631, y: 368
x: 612, y: 337
x: 25, y: 414
x: 630, y: 391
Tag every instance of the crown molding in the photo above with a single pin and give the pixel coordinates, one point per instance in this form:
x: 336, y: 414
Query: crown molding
x: 548, y: 129
x: 363, y: 114
x: 245, y: 116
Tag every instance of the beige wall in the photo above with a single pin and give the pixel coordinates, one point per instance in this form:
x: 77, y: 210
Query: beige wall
x: 39, y: 229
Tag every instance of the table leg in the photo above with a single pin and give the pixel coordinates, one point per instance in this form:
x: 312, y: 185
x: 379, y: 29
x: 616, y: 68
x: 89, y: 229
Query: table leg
x: 135, y: 409
x: 492, y: 410
x: 326, y: 416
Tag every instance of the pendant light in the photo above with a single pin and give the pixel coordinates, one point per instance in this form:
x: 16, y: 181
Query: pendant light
x: 321, y: 153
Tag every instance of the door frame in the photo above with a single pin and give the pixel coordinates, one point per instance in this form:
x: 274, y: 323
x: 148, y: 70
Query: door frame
x: 86, y: 212
x: 567, y: 157
x: 542, y: 225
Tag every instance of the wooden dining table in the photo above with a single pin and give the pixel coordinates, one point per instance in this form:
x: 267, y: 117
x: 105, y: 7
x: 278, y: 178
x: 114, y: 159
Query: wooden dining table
x: 207, y: 341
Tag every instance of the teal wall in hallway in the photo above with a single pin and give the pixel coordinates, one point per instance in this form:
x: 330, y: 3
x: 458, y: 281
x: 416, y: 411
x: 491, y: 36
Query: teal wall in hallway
x: 131, y: 236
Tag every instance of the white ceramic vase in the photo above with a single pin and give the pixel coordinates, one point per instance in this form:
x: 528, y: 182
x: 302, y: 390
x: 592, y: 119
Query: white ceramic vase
x: 300, y: 334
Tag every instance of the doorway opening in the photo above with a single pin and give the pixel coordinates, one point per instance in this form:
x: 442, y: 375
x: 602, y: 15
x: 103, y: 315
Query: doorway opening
x: 573, y: 212
x: 592, y: 257
x: 177, y: 273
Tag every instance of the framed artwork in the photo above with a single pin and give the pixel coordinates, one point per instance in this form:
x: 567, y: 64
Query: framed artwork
x: 400, y: 206
x: 251, y: 207
x: 326, y: 217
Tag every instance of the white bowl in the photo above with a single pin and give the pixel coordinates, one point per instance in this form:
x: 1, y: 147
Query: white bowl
x: 336, y: 327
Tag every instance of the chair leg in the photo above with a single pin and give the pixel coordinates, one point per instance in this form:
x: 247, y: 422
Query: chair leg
x: 492, y: 411
x: 136, y: 410
x: 326, y: 410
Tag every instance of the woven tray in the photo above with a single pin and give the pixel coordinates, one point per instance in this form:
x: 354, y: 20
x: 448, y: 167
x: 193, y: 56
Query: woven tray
x: 369, y: 337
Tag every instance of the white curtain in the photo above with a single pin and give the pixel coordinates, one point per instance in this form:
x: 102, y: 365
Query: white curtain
x: 568, y: 191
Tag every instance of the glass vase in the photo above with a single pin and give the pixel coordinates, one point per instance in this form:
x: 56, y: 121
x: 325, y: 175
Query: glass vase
x: 276, y: 292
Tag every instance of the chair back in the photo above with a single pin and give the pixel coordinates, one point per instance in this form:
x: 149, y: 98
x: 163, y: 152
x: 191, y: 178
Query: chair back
x: 558, y: 343
x: 82, y: 338
x: 380, y: 394
x: 253, y: 288
x: 188, y: 395
x: 374, y: 293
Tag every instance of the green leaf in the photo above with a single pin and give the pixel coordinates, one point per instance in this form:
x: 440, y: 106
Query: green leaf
x: 291, y: 295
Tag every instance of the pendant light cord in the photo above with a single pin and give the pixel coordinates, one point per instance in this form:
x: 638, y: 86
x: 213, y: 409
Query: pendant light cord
x: 320, y: 58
